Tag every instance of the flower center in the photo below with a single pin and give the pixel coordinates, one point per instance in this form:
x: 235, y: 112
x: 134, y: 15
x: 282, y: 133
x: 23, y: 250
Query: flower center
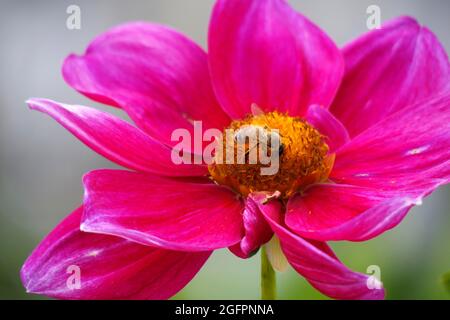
x: 300, y: 150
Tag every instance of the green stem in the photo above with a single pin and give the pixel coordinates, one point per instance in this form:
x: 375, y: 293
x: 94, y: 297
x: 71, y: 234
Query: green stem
x: 268, y: 280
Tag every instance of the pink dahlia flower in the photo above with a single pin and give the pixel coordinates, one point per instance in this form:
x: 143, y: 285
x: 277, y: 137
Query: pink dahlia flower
x: 365, y: 129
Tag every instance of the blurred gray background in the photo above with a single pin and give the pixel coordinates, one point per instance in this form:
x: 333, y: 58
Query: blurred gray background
x: 41, y: 164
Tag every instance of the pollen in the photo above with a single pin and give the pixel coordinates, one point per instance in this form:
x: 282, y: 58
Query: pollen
x: 303, y: 156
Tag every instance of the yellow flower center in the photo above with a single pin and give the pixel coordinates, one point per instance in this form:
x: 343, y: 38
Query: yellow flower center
x: 303, y: 155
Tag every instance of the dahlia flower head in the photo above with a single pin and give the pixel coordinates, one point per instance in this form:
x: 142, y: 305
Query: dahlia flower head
x: 365, y: 132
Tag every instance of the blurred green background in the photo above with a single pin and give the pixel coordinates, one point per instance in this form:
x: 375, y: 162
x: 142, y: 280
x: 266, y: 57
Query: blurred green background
x: 41, y: 164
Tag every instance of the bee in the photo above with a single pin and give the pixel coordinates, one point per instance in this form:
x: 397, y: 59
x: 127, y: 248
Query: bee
x: 262, y: 135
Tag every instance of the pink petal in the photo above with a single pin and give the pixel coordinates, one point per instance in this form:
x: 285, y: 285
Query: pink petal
x: 115, y: 139
x: 109, y: 267
x: 387, y: 70
x: 407, y: 153
x: 341, y: 212
x: 317, y: 263
x: 257, y: 231
x: 324, y: 121
x: 157, y: 75
x: 263, y: 52
x: 381, y: 174
x: 182, y: 214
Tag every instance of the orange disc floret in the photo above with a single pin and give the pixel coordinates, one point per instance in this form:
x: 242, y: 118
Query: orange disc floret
x: 303, y: 156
